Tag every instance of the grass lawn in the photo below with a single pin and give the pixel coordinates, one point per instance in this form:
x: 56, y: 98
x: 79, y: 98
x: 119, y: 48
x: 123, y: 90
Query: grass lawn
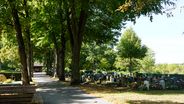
x: 120, y: 95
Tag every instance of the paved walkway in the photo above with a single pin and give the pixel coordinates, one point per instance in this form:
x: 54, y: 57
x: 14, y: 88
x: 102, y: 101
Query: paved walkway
x: 55, y: 92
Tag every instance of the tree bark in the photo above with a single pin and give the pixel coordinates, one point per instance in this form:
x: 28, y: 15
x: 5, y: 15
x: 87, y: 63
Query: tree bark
x: 21, y: 47
x: 75, y: 78
x: 32, y: 61
x: 58, y: 56
x: 63, y: 41
x: 29, y: 67
x: 29, y: 53
x: 49, y: 62
x: 76, y: 25
x: 29, y: 45
x: 63, y: 48
x: 58, y: 64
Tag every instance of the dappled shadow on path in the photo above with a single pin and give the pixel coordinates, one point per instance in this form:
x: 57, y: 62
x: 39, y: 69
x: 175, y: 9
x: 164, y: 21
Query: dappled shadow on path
x: 65, y: 95
x: 55, y: 92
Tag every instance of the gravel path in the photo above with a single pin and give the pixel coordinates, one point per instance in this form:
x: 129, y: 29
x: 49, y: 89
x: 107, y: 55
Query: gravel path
x: 54, y: 92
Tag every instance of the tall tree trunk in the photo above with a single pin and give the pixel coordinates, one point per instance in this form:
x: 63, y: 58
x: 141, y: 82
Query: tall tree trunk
x: 49, y: 62
x: 75, y: 79
x: 29, y: 54
x: 63, y: 41
x: 54, y: 64
x: 58, y: 64
x: 32, y: 61
x: 63, y: 48
x: 76, y: 27
x: 21, y: 47
x: 58, y: 56
x: 29, y: 45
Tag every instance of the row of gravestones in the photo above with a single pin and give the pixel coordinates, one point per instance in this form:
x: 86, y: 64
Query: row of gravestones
x: 167, y: 82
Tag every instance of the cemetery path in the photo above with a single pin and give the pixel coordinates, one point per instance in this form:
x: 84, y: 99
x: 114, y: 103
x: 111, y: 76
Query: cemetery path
x: 51, y: 91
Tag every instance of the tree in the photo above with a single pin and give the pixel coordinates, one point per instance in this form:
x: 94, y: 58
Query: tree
x: 148, y: 62
x: 76, y: 22
x: 42, y: 22
x: 85, y: 20
x: 21, y: 46
x: 62, y: 39
x: 97, y: 57
x: 136, y: 8
x: 44, y: 51
x: 78, y: 16
x: 16, y: 14
x: 8, y: 44
x: 52, y: 15
x: 130, y: 47
x: 90, y: 21
x: 28, y: 42
x: 8, y: 51
x: 168, y: 68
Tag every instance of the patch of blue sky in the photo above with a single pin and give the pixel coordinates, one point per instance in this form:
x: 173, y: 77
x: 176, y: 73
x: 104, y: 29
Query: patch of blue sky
x: 165, y: 35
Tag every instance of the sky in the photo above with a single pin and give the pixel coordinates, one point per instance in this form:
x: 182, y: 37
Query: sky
x: 164, y: 36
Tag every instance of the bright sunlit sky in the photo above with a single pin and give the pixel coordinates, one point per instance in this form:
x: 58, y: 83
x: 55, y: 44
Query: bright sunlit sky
x: 165, y: 36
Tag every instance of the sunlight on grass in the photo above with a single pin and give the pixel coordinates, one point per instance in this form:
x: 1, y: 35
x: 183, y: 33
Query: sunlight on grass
x: 126, y: 96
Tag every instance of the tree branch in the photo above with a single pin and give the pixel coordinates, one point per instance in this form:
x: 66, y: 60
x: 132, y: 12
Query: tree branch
x: 68, y: 23
x: 82, y: 19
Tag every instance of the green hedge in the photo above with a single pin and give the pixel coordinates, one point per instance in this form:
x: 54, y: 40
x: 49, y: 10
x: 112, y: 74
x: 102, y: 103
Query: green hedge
x: 8, y: 71
x: 16, y: 76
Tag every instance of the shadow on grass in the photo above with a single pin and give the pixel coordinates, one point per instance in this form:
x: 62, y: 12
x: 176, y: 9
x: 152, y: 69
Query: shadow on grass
x: 151, y: 102
x: 105, y: 89
x: 161, y: 92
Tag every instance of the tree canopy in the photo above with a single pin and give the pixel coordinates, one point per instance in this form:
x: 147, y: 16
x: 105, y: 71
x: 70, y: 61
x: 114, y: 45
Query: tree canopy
x: 48, y: 26
x: 130, y: 47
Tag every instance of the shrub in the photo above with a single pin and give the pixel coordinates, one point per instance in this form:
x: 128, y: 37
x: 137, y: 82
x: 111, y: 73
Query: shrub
x: 8, y: 81
x: 2, y: 77
x: 14, y: 76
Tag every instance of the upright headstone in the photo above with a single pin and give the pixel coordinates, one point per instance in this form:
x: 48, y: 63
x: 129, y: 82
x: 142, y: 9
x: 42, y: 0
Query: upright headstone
x: 111, y: 79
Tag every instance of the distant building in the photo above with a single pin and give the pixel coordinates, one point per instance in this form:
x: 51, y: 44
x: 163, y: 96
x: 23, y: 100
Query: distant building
x: 38, y: 67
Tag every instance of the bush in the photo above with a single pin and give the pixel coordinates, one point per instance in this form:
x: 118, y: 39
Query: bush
x: 2, y: 77
x: 15, y: 76
x: 8, y: 81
